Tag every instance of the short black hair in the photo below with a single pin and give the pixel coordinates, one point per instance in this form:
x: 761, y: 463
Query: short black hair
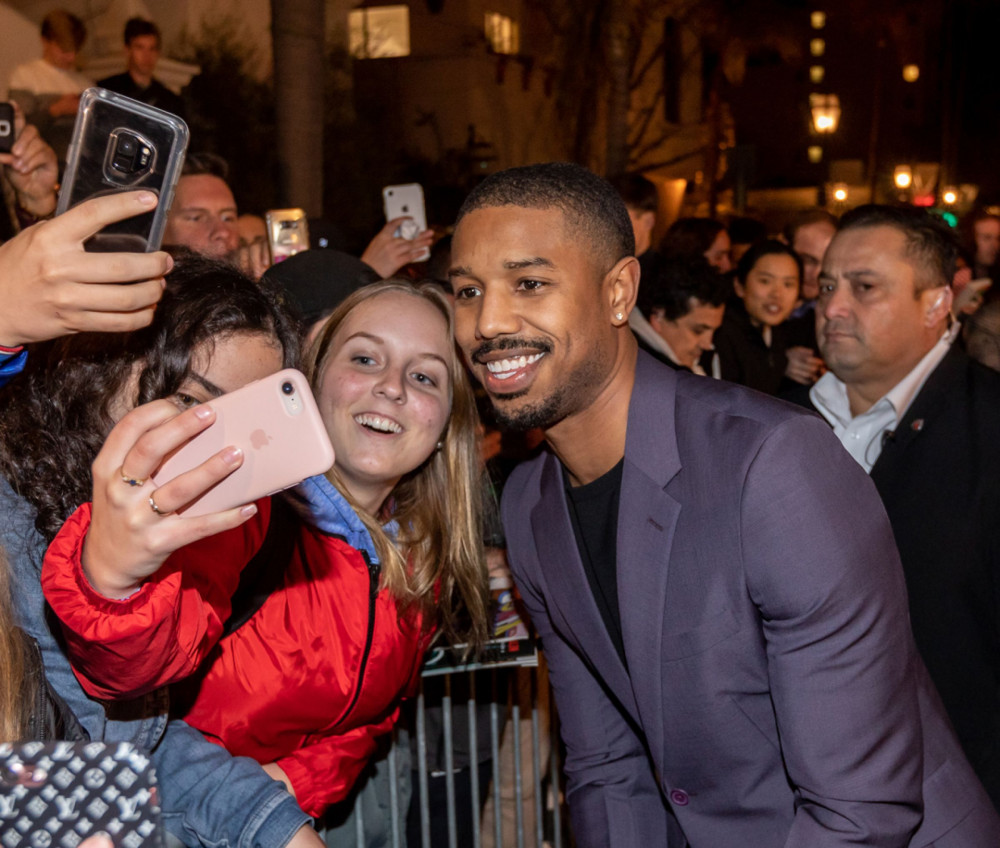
x: 690, y: 237
x: 771, y: 247
x: 806, y: 218
x: 589, y: 203
x: 135, y: 27
x: 931, y: 244
x: 205, y: 164
x: 637, y: 192
x: 674, y: 284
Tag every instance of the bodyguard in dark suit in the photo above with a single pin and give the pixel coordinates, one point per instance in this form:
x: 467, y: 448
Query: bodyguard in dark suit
x: 715, y: 583
x: 924, y: 419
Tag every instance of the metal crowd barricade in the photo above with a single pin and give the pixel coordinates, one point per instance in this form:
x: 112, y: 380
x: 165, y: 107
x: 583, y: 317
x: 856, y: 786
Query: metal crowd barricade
x: 527, y: 809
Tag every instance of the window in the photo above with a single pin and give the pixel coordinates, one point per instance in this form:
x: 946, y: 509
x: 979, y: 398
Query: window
x: 379, y: 32
x: 502, y: 33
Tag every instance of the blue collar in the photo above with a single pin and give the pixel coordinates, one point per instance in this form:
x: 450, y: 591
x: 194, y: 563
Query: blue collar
x: 320, y: 504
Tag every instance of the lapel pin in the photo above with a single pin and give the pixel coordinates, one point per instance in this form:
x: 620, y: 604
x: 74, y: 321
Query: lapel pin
x: 917, y: 425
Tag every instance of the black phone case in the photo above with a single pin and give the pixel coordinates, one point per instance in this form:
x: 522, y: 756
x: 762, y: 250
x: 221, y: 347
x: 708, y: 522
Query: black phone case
x: 91, y: 165
x: 6, y: 127
x: 56, y: 794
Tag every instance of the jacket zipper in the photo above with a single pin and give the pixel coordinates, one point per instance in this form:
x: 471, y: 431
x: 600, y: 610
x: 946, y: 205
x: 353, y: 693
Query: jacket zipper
x: 373, y: 575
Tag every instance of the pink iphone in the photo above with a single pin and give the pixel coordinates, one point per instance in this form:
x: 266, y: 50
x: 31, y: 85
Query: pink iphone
x: 278, y: 426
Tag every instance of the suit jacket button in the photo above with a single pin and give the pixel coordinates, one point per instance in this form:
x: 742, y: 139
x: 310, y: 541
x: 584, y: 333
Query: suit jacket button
x: 679, y: 797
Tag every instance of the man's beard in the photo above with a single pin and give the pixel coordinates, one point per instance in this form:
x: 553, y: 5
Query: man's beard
x: 545, y: 414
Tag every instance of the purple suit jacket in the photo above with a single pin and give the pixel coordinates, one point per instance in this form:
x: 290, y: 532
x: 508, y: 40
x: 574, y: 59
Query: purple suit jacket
x: 773, y: 695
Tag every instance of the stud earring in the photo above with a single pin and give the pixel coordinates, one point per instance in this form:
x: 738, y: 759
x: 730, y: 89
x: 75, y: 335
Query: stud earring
x: 619, y: 316
x: 439, y: 446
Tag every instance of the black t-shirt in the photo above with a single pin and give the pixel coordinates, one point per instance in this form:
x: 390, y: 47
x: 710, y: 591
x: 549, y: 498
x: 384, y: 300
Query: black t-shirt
x: 593, y: 510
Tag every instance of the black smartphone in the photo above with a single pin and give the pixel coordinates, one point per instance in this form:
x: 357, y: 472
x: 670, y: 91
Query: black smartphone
x: 6, y: 127
x: 120, y: 144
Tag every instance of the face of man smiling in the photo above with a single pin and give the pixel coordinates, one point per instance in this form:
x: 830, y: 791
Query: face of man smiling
x: 535, y: 313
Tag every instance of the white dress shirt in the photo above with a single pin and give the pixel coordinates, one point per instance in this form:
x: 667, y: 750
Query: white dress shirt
x: 864, y: 435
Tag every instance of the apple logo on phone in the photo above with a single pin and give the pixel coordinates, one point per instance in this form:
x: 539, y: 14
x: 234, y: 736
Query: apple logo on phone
x: 259, y: 439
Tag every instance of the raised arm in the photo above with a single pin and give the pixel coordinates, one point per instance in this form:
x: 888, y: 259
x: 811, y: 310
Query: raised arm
x: 142, y: 597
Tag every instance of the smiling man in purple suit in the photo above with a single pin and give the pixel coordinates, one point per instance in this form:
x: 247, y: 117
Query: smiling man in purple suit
x: 714, y: 580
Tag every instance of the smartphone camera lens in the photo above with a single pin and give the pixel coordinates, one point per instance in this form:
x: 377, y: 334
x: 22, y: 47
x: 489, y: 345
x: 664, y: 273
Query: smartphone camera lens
x: 287, y: 388
x: 126, y: 145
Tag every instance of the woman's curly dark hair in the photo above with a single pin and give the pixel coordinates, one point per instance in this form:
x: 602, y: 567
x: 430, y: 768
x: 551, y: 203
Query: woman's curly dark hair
x: 55, y: 417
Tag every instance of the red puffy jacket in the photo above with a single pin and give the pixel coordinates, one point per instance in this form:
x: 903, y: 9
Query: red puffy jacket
x: 309, y: 682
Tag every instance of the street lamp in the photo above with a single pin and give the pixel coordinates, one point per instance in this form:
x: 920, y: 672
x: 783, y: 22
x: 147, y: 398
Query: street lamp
x: 903, y: 177
x: 825, y: 109
x: 950, y: 196
x: 840, y: 192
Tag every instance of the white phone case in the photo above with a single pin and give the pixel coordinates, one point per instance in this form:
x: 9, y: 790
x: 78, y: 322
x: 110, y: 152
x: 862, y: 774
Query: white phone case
x: 408, y: 200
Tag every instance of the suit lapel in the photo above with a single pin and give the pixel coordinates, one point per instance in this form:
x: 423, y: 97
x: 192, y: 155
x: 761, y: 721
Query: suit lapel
x: 647, y: 516
x: 568, y: 586
x: 923, y: 413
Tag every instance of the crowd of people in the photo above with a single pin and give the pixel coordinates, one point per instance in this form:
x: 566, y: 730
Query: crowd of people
x: 755, y: 531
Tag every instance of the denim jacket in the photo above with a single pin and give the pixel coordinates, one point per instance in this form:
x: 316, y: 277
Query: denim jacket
x: 208, y: 797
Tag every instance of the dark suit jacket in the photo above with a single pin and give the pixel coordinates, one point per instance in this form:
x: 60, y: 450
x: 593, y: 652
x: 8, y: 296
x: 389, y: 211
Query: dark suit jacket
x: 939, y: 478
x: 773, y: 694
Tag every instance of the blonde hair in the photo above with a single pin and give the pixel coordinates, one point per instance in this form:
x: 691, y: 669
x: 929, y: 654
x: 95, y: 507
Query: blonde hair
x: 438, y: 569
x: 15, y: 694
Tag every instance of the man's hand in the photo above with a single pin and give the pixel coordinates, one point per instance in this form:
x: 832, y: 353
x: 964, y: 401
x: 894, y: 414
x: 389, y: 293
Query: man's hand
x: 803, y: 366
x: 387, y: 252
x: 253, y: 259
x: 50, y: 286
x: 32, y: 169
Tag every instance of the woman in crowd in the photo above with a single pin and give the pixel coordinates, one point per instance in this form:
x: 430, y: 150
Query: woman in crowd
x: 751, y: 343
x: 213, y: 326
x: 386, y: 546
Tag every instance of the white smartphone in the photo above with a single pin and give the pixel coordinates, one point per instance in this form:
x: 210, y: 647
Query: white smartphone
x: 276, y: 422
x: 407, y: 200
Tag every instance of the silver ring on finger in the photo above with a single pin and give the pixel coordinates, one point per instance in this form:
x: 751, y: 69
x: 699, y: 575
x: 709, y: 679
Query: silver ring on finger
x: 156, y: 509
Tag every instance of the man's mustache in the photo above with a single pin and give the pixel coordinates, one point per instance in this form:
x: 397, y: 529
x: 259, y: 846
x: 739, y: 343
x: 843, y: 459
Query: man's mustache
x: 510, y: 343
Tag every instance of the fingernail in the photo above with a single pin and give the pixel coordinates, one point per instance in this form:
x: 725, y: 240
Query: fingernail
x: 203, y: 411
x: 146, y: 198
x: 170, y: 265
x: 232, y: 455
x: 248, y: 510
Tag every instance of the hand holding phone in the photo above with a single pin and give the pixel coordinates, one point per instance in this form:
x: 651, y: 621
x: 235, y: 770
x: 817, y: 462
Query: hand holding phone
x: 407, y: 202
x: 51, y: 287
x: 164, y: 480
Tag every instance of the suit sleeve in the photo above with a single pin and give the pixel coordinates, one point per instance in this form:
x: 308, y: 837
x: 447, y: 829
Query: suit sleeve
x: 822, y: 567
x: 612, y: 794
x: 162, y: 633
